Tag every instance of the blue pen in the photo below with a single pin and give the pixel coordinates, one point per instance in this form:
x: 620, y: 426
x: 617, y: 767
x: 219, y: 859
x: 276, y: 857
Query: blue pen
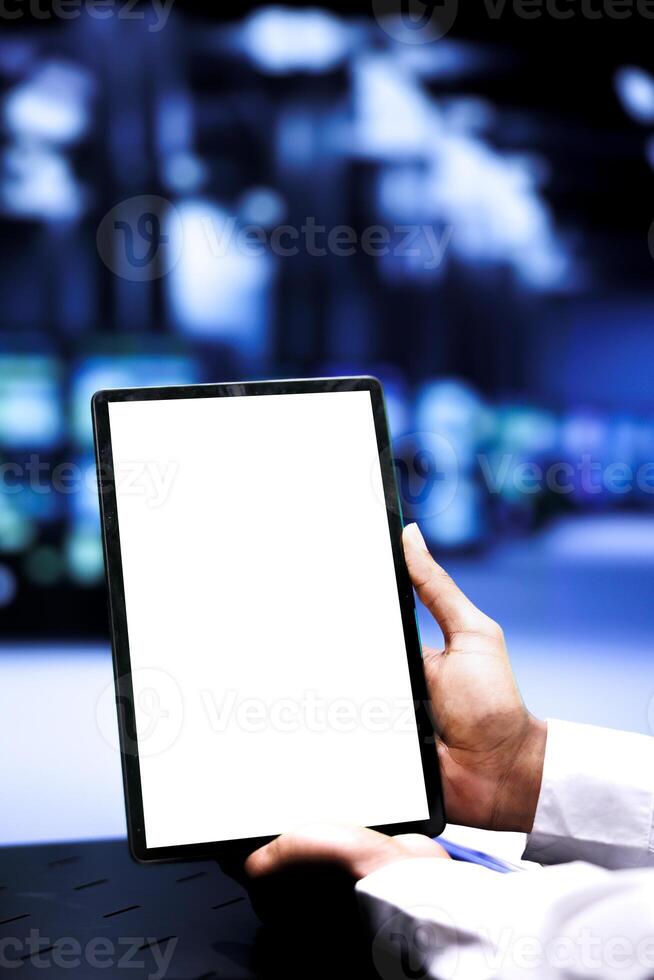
x: 460, y: 853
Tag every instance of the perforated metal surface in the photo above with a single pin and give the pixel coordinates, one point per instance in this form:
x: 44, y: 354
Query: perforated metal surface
x: 87, y: 910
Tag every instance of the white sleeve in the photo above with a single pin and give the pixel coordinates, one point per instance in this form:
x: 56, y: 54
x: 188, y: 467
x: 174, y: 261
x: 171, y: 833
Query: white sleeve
x: 596, y: 799
x: 446, y: 920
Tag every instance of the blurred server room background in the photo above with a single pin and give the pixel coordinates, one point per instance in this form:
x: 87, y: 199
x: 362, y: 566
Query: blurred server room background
x: 463, y: 208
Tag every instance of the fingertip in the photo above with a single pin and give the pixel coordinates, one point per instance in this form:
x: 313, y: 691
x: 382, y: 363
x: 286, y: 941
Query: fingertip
x: 259, y: 862
x: 419, y: 560
x: 413, y: 535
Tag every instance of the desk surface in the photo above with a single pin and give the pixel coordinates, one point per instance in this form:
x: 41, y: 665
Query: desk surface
x: 190, y: 916
x: 83, y: 910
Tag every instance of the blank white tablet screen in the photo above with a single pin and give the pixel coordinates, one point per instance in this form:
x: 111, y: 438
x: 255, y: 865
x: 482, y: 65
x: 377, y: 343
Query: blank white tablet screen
x: 270, y: 674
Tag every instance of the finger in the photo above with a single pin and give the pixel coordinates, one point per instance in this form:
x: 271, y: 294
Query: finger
x: 451, y: 608
x: 355, y: 849
x: 417, y: 845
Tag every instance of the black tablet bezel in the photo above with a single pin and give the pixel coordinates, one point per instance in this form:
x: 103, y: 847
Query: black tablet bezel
x: 118, y: 616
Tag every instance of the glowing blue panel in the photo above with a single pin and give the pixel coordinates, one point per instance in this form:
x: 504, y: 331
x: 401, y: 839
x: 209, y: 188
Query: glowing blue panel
x: 30, y: 402
x: 221, y: 286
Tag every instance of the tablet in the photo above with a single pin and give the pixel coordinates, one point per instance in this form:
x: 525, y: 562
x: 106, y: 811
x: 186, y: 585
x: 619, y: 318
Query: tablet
x: 267, y: 661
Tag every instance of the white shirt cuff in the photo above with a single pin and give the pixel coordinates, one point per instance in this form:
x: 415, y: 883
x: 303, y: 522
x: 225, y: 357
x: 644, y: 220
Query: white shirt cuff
x: 597, y: 798
x: 433, y: 918
x: 427, y: 918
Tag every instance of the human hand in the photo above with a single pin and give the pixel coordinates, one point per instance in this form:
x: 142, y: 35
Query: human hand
x: 355, y: 850
x: 491, y: 749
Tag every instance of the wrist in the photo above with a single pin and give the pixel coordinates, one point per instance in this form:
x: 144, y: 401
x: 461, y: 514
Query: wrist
x: 519, y: 789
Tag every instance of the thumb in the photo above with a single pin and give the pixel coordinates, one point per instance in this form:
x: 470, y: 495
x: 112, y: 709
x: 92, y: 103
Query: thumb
x: 451, y: 608
x: 358, y: 850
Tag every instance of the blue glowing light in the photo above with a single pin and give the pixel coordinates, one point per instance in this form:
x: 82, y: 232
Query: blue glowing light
x: 84, y: 554
x: 281, y: 40
x: 525, y: 430
x: 460, y: 522
x: 221, y: 286
x: 439, y: 172
x: 262, y: 206
x: 38, y: 182
x: 453, y: 411
x: 52, y: 105
x: 17, y: 531
x: 393, y: 115
x: 635, y: 88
